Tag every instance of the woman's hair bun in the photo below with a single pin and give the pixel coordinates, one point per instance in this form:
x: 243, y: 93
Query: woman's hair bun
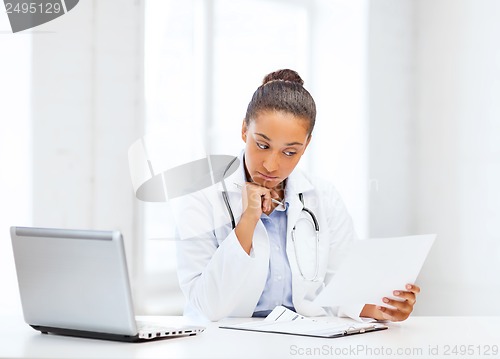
x: 283, y: 75
x: 283, y: 90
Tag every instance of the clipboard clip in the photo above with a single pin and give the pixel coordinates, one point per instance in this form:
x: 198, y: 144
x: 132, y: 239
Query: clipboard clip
x: 362, y: 329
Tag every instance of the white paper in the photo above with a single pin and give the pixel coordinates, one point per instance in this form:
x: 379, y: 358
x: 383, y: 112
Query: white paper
x: 374, y: 268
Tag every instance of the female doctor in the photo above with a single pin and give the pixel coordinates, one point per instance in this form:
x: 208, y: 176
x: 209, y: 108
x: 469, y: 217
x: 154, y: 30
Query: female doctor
x: 289, y: 231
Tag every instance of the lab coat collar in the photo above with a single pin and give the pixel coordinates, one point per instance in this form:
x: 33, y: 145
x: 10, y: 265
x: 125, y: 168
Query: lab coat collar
x: 237, y: 177
x: 296, y: 183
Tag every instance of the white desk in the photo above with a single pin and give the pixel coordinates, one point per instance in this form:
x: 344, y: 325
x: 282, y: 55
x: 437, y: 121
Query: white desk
x: 424, y: 337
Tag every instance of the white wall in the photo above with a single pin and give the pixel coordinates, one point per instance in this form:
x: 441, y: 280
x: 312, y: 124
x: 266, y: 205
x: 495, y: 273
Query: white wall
x: 339, y: 149
x: 458, y: 153
x: 435, y: 143
x: 15, y: 154
x: 86, y: 111
x: 392, y: 135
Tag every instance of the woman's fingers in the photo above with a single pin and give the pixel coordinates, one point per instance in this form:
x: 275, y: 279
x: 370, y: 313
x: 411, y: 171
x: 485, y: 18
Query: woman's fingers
x: 258, y: 198
x: 410, y: 297
x: 401, y: 305
x: 266, y: 200
x: 400, y: 308
x: 393, y: 315
x: 413, y: 288
x: 275, y: 195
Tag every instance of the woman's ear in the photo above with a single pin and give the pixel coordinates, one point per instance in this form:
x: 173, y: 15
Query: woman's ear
x: 244, y: 129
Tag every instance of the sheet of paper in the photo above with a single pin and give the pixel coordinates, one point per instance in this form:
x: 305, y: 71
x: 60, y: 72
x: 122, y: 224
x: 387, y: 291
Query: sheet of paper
x: 374, y: 268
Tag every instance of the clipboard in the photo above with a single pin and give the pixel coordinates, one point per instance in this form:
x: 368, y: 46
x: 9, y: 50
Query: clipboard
x: 284, y: 321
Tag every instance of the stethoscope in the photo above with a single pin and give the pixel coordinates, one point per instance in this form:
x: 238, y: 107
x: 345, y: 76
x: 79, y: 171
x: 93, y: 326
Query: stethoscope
x: 304, y: 209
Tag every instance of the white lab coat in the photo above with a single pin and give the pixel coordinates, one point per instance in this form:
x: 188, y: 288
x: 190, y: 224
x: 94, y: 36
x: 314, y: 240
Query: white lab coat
x: 219, y: 279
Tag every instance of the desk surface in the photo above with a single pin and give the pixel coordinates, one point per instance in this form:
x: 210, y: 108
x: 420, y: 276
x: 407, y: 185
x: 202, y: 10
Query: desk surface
x: 425, y: 337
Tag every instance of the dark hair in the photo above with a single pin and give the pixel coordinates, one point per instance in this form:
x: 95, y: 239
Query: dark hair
x: 282, y: 90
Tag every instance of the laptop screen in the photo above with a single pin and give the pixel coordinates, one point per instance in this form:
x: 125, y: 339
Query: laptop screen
x: 74, y: 279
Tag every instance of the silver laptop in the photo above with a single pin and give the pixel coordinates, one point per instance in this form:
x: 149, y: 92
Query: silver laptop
x: 75, y: 282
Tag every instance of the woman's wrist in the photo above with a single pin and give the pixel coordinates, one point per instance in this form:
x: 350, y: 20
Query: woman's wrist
x: 370, y: 311
x: 251, y: 217
x: 244, y: 230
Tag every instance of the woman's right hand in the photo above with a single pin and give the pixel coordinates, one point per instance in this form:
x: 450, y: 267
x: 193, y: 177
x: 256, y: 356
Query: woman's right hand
x: 256, y: 199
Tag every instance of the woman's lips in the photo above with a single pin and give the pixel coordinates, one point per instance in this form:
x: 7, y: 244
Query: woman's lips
x: 267, y: 178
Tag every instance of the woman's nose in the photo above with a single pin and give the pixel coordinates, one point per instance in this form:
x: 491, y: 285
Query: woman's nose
x: 271, y: 163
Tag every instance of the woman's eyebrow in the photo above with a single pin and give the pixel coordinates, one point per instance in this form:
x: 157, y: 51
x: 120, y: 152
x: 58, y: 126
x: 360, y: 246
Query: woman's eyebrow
x: 286, y: 144
x: 262, y: 135
x: 294, y: 143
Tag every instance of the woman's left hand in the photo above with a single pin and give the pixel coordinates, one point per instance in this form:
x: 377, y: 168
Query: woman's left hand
x: 398, y: 310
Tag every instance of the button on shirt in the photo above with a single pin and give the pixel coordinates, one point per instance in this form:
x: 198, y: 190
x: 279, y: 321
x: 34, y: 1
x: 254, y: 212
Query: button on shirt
x: 278, y: 288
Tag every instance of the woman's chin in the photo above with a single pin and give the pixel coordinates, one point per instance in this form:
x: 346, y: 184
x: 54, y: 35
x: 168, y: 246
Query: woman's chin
x: 271, y: 184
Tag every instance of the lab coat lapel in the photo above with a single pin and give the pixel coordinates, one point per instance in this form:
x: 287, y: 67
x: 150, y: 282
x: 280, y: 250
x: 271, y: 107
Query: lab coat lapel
x: 296, y: 183
x: 237, y: 176
x: 234, y: 193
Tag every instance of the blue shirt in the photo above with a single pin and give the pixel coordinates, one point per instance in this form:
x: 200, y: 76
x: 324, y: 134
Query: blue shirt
x: 278, y: 289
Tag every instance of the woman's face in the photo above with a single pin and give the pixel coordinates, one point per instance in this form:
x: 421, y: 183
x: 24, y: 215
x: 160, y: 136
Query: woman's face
x: 275, y: 142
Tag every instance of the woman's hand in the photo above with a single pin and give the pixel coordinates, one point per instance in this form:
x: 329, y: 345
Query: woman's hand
x: 399, y: 309
x: 256, y: 199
